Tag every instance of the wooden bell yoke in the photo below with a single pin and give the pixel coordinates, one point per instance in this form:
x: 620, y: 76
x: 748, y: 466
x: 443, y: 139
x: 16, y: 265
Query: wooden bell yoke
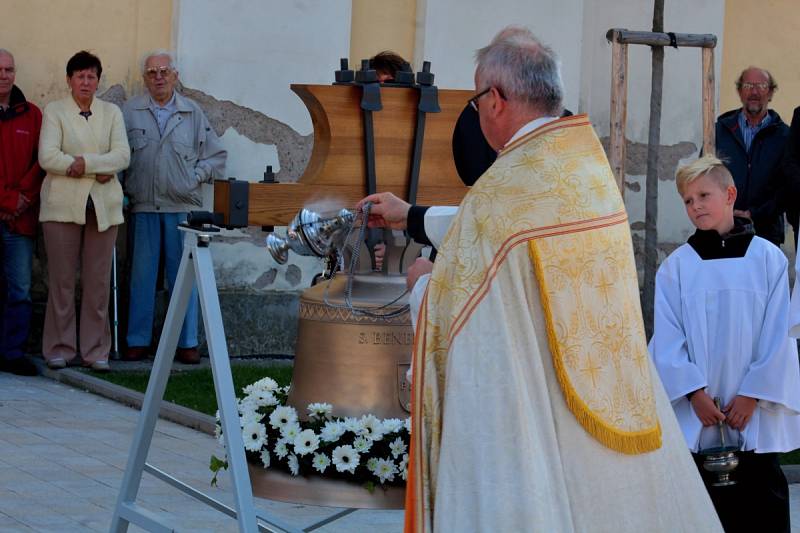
x: 344, y: 150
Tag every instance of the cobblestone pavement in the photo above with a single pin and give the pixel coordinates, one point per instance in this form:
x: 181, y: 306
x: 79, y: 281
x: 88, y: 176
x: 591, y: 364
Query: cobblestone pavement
x: 63, y: 452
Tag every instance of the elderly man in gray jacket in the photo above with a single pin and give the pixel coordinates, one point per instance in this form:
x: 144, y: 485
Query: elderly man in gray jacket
x: 174, y: 151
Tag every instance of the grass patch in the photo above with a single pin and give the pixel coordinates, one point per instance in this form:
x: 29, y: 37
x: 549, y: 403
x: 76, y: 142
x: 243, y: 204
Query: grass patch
x: 195, y: 388
x: 790, y: 458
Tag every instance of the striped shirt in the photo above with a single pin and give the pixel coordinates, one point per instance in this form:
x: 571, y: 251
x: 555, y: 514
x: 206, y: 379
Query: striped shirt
x: 749, y: 132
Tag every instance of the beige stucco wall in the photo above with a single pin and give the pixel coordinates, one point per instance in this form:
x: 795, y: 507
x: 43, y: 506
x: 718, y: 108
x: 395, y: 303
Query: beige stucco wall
x: 384, y: 25
x: 764, y: 34
x: 43, y: 34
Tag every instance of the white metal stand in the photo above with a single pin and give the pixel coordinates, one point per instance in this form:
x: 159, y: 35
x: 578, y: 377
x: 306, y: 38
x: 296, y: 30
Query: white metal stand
x: 196, y: 267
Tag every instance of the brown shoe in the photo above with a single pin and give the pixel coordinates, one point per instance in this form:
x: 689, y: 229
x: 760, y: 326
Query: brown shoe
x: 136, y: 353
x: 188, y: 356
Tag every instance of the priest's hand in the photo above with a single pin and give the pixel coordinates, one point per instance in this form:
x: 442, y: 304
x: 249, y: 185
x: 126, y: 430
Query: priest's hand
x: 387, y: 211
x: 705, y: 409
x: 740, y: 411
x: 420, y: 267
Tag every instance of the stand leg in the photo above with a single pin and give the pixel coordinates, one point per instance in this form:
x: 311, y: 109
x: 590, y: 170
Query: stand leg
x: 223, y: 384
x: 196, y: 267
x: 155, y: 388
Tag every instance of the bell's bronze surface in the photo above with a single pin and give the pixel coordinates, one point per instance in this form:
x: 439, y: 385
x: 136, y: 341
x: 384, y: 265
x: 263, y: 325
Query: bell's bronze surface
x: 355, y: 362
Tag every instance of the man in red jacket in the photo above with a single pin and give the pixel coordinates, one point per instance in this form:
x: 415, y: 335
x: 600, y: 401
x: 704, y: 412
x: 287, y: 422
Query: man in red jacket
x: 20, y: 181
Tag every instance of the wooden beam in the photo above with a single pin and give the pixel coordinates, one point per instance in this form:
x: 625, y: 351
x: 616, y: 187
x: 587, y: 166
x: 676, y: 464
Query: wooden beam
x: 275, y: 204
x: 619, y: 111
x: 697, y: 40
x: 709, y: 142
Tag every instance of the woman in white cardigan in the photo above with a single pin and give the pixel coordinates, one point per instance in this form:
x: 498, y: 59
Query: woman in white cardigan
x: 83, y: 144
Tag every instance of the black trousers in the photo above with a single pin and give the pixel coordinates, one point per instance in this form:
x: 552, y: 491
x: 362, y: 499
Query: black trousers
x: 759, y: 502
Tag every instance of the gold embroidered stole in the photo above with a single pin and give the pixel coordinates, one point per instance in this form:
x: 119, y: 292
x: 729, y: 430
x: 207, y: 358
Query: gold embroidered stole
x: 553, y: 191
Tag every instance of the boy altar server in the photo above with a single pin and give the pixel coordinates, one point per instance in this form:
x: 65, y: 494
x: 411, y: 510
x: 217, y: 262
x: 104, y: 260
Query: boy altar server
x: 721, y: 330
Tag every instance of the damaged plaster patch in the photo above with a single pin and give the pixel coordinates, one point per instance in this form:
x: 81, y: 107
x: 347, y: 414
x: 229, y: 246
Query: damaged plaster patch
x: 294, y: 150
x: 114, y: 94
x: 265, y: 279
x: 293, y: 275
x: 668, y: 158
x: 246, y: 159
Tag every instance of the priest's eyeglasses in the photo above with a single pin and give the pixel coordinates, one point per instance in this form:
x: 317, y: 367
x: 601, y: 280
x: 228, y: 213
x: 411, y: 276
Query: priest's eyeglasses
x: 474, y: 100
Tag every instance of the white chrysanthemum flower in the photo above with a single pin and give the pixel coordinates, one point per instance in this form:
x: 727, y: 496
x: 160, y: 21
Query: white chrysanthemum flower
x: 397, y: 447
x: 345, y: 459
x: 266, y: 383
x: 353, y: 424
x: 320, y: 462
x: 391, y: 425
x: 264, y: 398
x: 284, y: 390
x: 385, y: 470
x: 306, y: 442
x: 332, y: 431
x: 294, y: 465
x: 265, y: 457
x: 372, y: 464
x: 373, y: 427
x: 216, y: 415
x: 408, y: 424
x: 218, y: 434
x: 283, y: 416
x: 290, y: 431
x: 362, y: 444
x: 404, y: 467
x: 281, y: 449
x: 320, y: 410
x: 254, y: 435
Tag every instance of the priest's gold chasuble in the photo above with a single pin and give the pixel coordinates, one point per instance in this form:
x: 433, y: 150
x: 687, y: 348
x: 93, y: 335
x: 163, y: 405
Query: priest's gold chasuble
x: 534, y: 400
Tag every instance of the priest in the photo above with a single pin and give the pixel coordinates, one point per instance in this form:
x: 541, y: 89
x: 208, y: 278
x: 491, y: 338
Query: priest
x: 535, y: 405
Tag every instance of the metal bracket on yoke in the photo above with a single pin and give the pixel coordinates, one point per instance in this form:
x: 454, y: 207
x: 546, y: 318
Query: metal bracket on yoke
x: 428, y: 103
x: 370, y: 101
x: 238, y: 205
x: 269, y: 177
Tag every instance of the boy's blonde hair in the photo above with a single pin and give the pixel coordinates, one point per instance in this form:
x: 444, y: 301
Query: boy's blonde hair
x: 708, y: 165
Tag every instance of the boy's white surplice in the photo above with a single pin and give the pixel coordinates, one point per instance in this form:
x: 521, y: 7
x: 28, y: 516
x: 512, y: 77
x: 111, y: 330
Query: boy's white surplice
x: 722, y: 325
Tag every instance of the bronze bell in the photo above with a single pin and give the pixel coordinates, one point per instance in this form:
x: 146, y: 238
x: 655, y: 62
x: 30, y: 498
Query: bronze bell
x: 353, y: 360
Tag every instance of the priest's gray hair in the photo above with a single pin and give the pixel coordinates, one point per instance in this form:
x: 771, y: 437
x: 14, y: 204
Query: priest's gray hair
x: 157, y: 53
x: 708, y: 165
x: 524, y: 70
x: 5, y: 52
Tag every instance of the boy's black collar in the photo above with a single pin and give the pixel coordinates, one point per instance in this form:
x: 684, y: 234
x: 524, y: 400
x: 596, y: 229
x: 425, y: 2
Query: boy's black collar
x: 710, y: 245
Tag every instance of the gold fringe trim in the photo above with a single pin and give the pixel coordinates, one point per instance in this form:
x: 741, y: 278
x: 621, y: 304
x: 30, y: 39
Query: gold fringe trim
x: 628, y: 442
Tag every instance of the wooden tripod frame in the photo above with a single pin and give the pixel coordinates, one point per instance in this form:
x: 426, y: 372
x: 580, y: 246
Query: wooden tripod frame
x: 620, y: 39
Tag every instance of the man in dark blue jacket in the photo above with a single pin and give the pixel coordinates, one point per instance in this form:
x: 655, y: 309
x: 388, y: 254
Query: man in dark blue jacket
x: 791, y: 171
x: 751, y: 140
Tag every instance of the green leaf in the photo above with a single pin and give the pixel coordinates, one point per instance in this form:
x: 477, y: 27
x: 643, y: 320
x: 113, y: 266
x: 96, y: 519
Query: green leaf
x: 370, y: 486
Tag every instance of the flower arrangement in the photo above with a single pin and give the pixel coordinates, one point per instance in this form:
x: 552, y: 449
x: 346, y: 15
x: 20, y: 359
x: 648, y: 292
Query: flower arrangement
x: 366, y: 450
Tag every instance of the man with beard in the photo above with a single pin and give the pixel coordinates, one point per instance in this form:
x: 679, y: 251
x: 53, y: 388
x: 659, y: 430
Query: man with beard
x: 750, y: 141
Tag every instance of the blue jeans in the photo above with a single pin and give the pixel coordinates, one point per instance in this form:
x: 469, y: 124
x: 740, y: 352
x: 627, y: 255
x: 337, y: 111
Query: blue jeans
x: 153, y: 232
x: 16, y: 259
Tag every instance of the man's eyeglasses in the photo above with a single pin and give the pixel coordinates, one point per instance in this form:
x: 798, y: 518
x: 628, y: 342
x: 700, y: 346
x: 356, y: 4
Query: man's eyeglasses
x: 154, y: 72
x: 761, y: 86
x: 474, y: 100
